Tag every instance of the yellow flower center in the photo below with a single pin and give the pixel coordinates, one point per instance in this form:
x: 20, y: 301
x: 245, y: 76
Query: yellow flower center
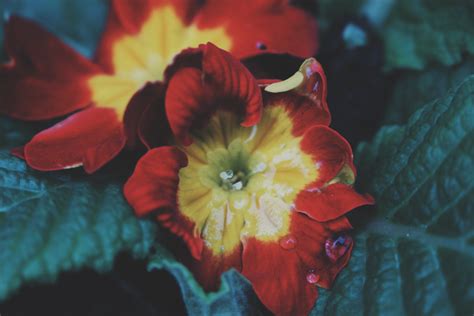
x: 242, y: 182
x: 143, y: 57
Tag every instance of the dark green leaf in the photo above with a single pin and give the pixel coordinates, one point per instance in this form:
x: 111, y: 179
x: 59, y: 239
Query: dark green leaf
x: 418, y: 33
x: 413, y: 89
x: 53, y: 222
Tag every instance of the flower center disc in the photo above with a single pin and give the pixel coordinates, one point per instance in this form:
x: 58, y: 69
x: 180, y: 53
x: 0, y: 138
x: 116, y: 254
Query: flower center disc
x: 241, y: 182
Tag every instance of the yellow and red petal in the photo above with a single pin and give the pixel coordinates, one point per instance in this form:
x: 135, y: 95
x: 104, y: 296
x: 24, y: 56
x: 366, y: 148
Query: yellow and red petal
x: 285, y: 274
x: 153, y: 188
x: 329, y: 152
x: 90, y: 138
x: 44, y: 78
x: 193, y: 94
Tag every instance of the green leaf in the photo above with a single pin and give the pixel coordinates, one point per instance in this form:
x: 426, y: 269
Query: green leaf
x: 418, y: 33
x: 235, y: 296
x: 414, y: 88
x: 417, y: 256
x: 59, y: 221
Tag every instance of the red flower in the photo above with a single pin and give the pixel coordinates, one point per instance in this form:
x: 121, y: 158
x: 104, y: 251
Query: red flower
x: 255, y: 182
x: 47, y: 79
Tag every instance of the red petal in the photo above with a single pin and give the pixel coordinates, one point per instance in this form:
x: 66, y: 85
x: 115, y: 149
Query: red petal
x: 209, y: 268
x: 285, y: 278
x: 91, y: 138
x: 330, y: 202
x: 193, y: 95
x: 141, y: 100
x: 154, y: 129
x: 262, y: 26
x: 153, y: 187
x: 186, y: 102
x: 233, y: 81
x: 312, y: 237
x: 278, y: 278
x: 45, y: 78
x: 329, y: 150
x: 154, y: 182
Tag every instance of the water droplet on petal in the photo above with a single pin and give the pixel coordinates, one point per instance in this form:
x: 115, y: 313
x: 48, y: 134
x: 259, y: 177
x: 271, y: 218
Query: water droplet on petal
x: 288, y: 242
x: 336, y: 248
x: 261, y: 45
x: 312, y: 277
x: 260, y: 167
x: 316, y: 87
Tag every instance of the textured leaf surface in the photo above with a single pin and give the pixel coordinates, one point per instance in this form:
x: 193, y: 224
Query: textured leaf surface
x: 417, y: 257
x: 413, y: 89
x: 419, y: 32
x: 53, y: 222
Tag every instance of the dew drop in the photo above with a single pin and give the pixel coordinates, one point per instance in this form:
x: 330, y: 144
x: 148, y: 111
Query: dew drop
x: 261, y: 46
x: 312, y: 277
x: 336, y: 248
x: 288, y: 242
x: 316, y: 87
x: 260, y: 167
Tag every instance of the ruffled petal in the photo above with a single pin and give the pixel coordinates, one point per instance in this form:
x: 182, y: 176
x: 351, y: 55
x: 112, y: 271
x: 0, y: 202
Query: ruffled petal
x: 285, y: 275
x: 90, y: 138
x: 140, y: 102
x: 194, y: 94
x: 329, y: 151
x: 154, y: 182
x: 330, y: 202
x: 43, y: 71
x: 153, y: 187
x: 234, y: 83
x: 186, y: 102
